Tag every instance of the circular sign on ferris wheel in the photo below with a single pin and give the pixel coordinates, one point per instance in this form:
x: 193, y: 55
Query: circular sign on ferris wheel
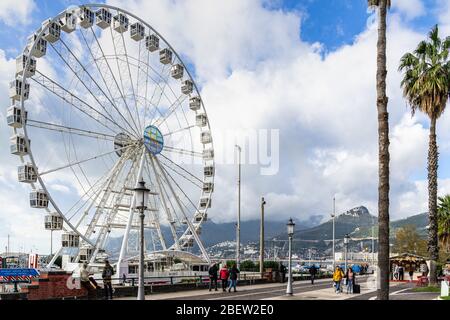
x: 153, y: 140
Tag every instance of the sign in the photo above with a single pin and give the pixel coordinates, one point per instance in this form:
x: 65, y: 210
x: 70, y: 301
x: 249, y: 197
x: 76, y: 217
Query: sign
x: 153, y: 140
x: 18, y: 274
x: 33, y: 261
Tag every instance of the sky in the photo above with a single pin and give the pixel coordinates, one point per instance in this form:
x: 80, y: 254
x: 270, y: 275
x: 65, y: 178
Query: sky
x: 303, y: 69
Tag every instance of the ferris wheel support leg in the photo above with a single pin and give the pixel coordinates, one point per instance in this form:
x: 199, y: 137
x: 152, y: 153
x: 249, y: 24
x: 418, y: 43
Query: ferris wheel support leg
x: 191, y: 227
x: 131, y: 212
x: 52, y: 262
x: 165, y: 207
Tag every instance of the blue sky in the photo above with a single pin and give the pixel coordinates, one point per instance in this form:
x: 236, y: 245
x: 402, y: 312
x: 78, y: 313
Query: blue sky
x: 263, y: 70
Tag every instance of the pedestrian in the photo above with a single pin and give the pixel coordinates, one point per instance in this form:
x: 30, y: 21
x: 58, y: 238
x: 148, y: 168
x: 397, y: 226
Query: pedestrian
x: 107, y: 273
x: 85, y: 281
x: 213, y: 276
x: 233, y: 277
x: 337, y: 278
x: 396, y: 272
x: 312, y: 272
x: 411, y: 274
x: 401, y: 273
x: 223, y: 274
x: 283, y: 272
x: 124, y: 279
x: 350, y: 276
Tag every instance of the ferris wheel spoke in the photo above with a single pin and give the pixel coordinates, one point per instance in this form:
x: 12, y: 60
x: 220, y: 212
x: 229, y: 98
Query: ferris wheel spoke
x: 110, y: 72
x: 90, y: 194
x: 163, y: 201
x: 162, y: 76
x: 119, y: 69
x: 131, y: 80
x: 182, y: 169
x: 85, y: 160
x: 171, y: 110
x: 72, y: 99
x: 178, y: 130
x: 70, y: 130
x: 103, y: 73
x: 183, y: 151
x: 84, y: 82
x: 191, y: 227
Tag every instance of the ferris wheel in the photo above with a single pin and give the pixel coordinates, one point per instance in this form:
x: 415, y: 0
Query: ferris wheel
x: 100, y: 101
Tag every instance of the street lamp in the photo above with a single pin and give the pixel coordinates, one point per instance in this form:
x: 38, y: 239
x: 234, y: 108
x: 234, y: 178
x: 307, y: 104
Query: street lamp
x: 261, y: 239
x: 333, y: 215
x: 238, y: 224
x: 346, y: 240
x: 290, y: 232
x: 141, y: 200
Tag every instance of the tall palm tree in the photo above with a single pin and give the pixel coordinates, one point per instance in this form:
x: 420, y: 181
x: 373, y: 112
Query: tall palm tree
x: 383, y: 151
x: 444, y: 222
x: 425, y: 85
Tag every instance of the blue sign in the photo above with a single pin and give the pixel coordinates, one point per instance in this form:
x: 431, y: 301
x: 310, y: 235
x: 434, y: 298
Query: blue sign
x: 17, y: 274
x: 153, y: 140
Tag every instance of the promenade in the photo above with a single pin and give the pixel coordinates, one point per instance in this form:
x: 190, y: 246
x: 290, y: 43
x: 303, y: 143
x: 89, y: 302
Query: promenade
x: 303, y: 290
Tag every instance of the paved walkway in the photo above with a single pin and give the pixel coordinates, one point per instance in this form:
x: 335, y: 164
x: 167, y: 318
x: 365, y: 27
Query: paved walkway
x: 303, y: 290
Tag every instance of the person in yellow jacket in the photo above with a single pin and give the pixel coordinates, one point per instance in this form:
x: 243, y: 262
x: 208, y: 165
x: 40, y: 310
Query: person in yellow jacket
x: 338, y: 275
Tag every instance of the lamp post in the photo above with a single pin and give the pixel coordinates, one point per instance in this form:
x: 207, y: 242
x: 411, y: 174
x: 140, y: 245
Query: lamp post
x: 333, y: 215
x: 141, y: 200
x: 373, y: 242
x: 261, y: 239
x: 290, y: 232
x: 238, y: 224
x: 346, y: 240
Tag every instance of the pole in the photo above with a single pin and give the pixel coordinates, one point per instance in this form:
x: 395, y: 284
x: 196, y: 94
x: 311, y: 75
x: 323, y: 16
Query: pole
x: 333, y: 217
x: 289, y: 285
x: 346, y: 249
x: 238, y: 226
x: 373, y: 242
x: 7, y: 250
x: 51, y: 243
x: 261, y: 239
x: 141, y: 288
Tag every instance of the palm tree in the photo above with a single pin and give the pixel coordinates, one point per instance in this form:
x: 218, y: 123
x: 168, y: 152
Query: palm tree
x: 444, y: 222
x: 426, y: 87
x: 383, y: 150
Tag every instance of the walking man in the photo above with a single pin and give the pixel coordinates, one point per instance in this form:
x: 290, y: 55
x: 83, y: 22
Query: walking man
x: 312, y: 272
x: 212, y: 276
x: 107, y: 273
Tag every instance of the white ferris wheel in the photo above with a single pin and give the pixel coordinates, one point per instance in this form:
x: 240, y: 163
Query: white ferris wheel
x: 100, y: 100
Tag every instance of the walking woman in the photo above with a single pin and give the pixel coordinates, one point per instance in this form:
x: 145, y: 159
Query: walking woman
x: 233, y: 277
x: 350, y: 276
x: 223, y: 274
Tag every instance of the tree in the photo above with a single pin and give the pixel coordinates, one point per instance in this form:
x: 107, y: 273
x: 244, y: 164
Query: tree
x: 444, y: 222
x: 408, y: 240
x: 383, y: 150
x: 425, y: 85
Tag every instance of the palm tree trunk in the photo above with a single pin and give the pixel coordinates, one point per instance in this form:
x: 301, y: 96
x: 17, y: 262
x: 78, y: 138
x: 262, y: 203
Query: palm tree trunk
x: 433, y: 247
x: 383, y: 157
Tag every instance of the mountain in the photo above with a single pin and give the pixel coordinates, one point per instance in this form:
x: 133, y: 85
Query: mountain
x: 345, y: 223
x: 214, y: 233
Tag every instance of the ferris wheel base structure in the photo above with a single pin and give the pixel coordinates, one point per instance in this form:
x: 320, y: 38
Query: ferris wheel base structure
x: 107, y: 101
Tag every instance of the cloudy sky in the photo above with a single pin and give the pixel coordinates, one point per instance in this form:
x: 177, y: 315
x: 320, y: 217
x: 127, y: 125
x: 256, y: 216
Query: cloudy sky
x: 303, y: 69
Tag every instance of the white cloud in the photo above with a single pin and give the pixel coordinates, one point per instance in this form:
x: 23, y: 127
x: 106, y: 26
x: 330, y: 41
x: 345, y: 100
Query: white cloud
x: 410, y: 8
x: 14, y: 12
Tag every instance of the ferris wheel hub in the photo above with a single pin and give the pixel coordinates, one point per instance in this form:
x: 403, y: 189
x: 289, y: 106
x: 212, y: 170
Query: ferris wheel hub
x: 153, y: 140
